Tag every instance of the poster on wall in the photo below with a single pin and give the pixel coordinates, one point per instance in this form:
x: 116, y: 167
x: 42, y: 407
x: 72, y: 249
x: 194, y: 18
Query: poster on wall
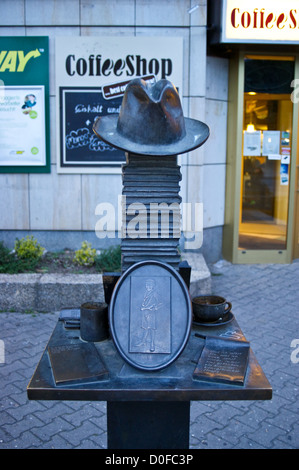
x: 22, y: 126
x: 91, y: 77
x: 284, y: 174
x: 271, y: 144
x: 24, y: 105
x: 252, y: 143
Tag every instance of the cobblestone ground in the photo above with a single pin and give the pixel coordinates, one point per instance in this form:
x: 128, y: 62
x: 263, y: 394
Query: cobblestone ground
x: 265, y: 301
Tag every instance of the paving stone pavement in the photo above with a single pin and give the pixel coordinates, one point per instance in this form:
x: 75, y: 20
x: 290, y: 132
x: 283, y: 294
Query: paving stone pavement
x: 265, y: 301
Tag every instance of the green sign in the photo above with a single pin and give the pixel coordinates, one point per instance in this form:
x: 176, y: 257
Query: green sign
x: 24, y: 105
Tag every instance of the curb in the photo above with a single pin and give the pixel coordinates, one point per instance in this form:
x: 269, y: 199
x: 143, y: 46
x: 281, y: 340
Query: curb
x: 48, y: 292
x: 53, y: 292
x: 200, y: 282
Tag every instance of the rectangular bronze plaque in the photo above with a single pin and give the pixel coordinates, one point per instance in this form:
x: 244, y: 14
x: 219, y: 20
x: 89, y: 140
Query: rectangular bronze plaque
x: 223, y: 360
x: 76, y: 363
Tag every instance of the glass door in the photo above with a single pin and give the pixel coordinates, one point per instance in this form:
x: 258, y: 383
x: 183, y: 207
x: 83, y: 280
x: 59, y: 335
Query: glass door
x: 296, y: 213
x: 266, y: 153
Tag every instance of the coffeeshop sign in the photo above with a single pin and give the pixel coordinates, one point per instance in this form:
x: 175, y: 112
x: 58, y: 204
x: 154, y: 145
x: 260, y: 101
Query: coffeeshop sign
x: 91, y: 76
x: 266, y: 21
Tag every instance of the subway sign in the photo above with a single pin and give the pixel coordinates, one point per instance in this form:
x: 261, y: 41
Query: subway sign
x: 16, y: 61
x: 24, y: 104
x: 263, y: 21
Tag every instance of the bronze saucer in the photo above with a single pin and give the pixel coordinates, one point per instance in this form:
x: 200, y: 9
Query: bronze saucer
x: 227, y: 318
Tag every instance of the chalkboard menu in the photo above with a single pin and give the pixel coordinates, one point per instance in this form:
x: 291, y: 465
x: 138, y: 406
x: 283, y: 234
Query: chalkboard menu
x: 79, y: 108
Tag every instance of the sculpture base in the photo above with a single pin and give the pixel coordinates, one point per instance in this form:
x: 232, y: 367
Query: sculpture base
x: 148, y: 425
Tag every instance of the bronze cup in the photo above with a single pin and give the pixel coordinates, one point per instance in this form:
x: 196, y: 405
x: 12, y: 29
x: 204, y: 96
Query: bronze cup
x: 210, y: 308
x: 94, y: 321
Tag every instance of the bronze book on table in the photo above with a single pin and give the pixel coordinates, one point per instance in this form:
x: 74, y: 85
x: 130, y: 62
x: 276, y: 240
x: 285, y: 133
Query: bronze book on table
x: 223, y: 360
x: 76, y: 364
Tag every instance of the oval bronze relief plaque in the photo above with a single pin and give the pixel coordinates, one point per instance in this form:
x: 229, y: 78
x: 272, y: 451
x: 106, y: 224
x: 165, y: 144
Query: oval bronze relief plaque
x: 150, y: 315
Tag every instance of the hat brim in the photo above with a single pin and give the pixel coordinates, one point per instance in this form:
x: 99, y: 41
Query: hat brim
x: 197, y: 133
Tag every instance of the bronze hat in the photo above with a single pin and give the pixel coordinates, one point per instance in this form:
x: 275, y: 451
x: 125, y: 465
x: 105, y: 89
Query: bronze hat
x: 151, y: 122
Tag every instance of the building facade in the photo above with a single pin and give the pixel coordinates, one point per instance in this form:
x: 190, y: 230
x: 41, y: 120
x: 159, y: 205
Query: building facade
x: 61, y: 207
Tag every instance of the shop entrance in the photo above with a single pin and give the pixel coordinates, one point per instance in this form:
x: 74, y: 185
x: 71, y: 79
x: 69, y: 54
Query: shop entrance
x: 267, y: 125
x: 262, y: 141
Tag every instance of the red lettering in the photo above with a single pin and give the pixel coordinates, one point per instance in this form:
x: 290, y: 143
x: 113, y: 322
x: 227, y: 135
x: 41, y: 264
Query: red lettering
x: 269, y: 18
x: 262, y: 17
x: 293, y: 19
x: 281, y: 20
x: 245, y: 19
x: 259, y: 18
x: 233, y: 17
x: 255, y: 17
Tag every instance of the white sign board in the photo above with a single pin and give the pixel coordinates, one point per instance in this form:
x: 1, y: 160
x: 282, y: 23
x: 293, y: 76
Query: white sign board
x: 266, y: 21
x: 91, y: 77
